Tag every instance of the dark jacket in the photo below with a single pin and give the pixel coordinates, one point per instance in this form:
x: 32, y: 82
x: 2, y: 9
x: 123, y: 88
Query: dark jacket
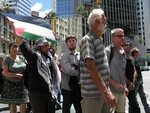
x: 36, y: 81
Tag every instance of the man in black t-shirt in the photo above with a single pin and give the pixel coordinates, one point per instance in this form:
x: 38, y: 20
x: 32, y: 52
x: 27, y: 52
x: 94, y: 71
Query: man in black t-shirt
x: 131, y: 76
x: 135, y: 52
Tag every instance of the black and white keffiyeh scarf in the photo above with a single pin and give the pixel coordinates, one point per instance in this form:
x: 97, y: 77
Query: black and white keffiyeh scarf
x: 51, y: 76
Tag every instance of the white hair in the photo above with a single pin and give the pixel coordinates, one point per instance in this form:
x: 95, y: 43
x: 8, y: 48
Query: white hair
x: 95, y: 14
x: 113, y: 31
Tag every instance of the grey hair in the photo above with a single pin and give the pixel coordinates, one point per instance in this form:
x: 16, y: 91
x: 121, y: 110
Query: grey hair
x: 95, y: 14
x: 113, y: 31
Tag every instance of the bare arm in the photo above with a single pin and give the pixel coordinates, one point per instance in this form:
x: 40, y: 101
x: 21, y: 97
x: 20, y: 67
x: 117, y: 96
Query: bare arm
x: 9, y: 74
x: 135, y: 76
x: 109, y: 98
x: 18, y: 38
x: 115, y: 85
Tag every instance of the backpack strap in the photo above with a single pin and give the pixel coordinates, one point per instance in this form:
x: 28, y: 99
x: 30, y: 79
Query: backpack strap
x: 111, y: 53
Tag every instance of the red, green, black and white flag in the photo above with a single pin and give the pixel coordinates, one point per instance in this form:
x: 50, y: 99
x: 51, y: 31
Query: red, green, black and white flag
x: 31, y: 28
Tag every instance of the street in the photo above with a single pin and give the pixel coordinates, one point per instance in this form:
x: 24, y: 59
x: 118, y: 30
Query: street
x: 146, y: 78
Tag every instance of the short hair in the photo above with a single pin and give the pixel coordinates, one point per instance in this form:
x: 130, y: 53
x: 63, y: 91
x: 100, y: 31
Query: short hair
x: 134, y: 50
x: 113, y: 31
x: 127, y: 41
x: 13, y: 43
x: 70, y: 36
x: 95, y: 14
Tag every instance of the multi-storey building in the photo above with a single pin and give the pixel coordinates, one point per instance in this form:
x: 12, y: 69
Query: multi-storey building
x: 132, y: 15
x: 68, y: 21
x: 6, y: 35
x: 121, y: 13
x: 66, y: 8
x: 22, y: 7
x: 143, y: 16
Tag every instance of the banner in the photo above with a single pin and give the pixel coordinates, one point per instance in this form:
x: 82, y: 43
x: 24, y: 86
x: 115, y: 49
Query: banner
x: 31, y: 28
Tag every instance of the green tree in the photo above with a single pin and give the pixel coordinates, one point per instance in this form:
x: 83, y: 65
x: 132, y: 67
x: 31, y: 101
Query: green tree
x: 83, y: 11
x: 148, y: 55
x: 50, y: 15
x: 139, y: 39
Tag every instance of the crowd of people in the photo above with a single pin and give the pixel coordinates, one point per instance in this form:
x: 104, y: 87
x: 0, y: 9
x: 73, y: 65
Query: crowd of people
x: 91, y: 80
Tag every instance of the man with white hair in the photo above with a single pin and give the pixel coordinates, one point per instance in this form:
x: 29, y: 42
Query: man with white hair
x: 94, y: 68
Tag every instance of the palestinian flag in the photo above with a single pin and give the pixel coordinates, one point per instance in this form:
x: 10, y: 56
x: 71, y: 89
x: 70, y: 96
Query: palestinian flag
x: 31, y: 28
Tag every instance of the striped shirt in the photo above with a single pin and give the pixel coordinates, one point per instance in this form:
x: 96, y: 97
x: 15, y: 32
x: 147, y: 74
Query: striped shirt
x: 92, y: 47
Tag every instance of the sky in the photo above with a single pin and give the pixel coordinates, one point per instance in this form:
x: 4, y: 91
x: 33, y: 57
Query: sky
x: 41, y: 6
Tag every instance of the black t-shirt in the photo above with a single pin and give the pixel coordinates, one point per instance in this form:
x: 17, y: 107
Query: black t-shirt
x: 129, y: 70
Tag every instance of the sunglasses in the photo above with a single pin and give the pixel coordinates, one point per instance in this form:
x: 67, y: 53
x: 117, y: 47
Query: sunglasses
x: 127, y: 45
x: 119, y: 36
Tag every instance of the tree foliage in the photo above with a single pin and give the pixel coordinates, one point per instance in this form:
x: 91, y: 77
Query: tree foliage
x: 81, y: 10
x: 50, y: 15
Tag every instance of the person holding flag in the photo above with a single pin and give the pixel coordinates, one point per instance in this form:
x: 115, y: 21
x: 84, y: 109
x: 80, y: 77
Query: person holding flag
x: 44, y: 77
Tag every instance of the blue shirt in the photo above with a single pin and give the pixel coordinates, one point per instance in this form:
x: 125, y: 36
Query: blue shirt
x: 117, y: 67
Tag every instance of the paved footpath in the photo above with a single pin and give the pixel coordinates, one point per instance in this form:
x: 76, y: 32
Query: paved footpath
x: 146, y: 78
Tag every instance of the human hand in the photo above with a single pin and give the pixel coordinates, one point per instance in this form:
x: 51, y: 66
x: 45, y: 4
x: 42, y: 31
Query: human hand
x: 131, y: 87
x: 109, y: 99
x: 17, y: 36
x: 126, y: 91
x: 118, y: 86
x: 19, y: 75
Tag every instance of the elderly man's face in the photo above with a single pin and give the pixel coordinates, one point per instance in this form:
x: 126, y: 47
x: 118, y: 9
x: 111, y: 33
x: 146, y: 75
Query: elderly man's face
x: 118, y: 38
x: 102, y: 24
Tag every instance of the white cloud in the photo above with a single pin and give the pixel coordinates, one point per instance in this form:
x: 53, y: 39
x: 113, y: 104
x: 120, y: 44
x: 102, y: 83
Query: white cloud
x: 36, y: 7
x: 43, y: 13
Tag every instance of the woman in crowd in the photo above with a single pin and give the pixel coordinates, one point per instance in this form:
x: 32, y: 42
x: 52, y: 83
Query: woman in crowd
x: 14, y: 92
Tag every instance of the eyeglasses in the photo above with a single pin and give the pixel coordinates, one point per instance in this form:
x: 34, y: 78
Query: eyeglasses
x: 127, y: 45
x: 119, y: 36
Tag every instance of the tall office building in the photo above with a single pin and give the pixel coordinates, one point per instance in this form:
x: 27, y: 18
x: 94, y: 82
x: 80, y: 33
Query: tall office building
x: 121, y: 13
x: 22, y: 7
x: 143, y: 14
x: 66, y: 8
x: 68, y: 21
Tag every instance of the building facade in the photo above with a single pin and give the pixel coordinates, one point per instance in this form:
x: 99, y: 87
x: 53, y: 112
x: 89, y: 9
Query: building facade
x: 22, y: 7
x: 66, y: 8
x: 6, y: 35
x: 143, y: 16
x: 70, y: 26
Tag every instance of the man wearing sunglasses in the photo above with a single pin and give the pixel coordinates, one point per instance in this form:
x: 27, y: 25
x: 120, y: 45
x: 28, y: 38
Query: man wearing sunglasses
x: 131, y: 76
x: 117, y: 63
